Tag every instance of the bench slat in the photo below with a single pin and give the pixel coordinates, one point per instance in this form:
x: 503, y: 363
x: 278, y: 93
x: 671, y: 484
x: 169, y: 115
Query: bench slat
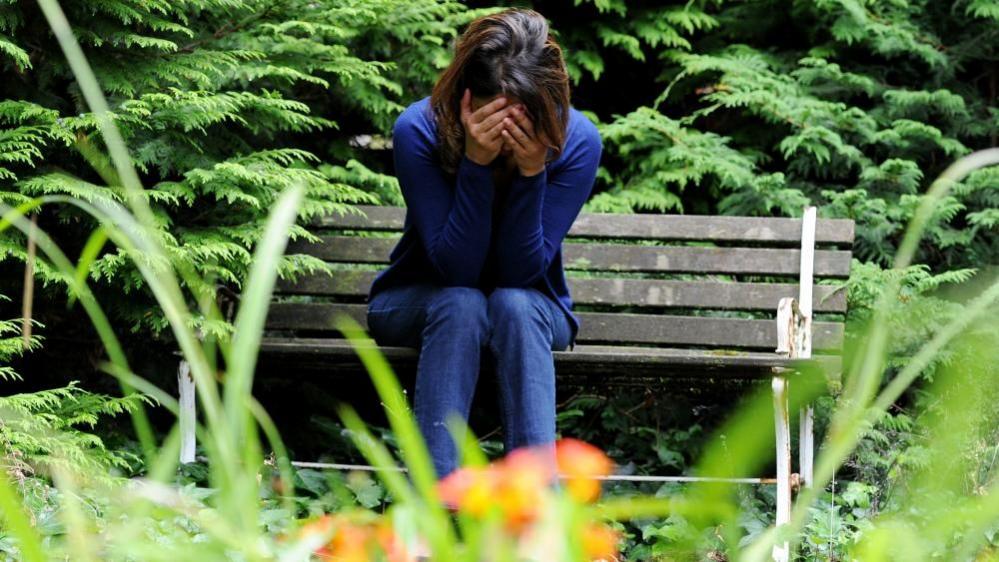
x: 640, y: 226
x: 606, y: 359
x: 616, y: 292
x: 617, y: 257
x: 694, y: 330
x: 597, y: 327
x: 686, y: 259
x: 692, y: 294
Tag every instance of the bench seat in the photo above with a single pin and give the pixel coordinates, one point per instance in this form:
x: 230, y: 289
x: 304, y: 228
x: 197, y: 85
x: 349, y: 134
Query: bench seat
x: 702, y: 299
x: 334, y: 354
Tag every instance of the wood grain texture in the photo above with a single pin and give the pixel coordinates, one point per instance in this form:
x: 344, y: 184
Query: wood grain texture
x: 640, y: 226
x: 602, y: 327
x: 614, y: 292
x: 617, y: 257
x: 626, y: 344
x: 333, y: 354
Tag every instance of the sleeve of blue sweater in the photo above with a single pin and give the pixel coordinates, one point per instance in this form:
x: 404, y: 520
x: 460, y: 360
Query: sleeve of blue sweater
x: 454, y: 223
x: 540, y: 209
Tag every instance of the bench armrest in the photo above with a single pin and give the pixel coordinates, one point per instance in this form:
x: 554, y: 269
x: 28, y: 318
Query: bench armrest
x: 793, y: 329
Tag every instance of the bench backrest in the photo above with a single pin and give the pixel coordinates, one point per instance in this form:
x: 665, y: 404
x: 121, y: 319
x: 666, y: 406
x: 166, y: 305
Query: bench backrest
x: 636, y: 279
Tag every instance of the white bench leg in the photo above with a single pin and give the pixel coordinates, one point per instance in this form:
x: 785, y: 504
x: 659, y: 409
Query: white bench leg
x: 185, y: 387
x: 806, y: 445
x: 781, y: 552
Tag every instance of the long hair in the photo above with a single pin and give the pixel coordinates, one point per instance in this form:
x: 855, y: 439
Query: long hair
x: 511, y: 53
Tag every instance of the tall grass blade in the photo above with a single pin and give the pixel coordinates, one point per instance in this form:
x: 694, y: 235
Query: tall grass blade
x: 17, y: 521
x: 414, y: 450
x: 378, y: 455
x: 79, y: 288
x: 249, y: 324
x: 95, y: 243
x: 859, y: 394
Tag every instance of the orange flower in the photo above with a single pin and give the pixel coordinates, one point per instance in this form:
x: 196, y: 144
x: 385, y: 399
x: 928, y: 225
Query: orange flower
x: 389, y: 542
x: 600, y: 542
x: 469, y: 489
x: 320, y: 526
x: 516, y: 485
x: 523, y: 478
x: 350, y: 543
x: 355, y: 541
x: 580, y: 464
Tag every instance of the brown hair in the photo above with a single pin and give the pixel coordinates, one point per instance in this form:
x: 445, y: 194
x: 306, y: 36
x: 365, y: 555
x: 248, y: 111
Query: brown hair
x: 513, y: 53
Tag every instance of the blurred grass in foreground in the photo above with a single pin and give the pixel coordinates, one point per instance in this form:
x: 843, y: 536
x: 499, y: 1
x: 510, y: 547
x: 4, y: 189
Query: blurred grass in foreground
x: 151, y: 519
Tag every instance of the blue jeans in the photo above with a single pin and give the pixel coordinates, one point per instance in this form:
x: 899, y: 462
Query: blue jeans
x: 450, y: 326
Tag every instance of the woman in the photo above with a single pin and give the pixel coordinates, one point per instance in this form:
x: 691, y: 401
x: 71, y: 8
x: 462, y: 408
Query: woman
x: 494, y: 167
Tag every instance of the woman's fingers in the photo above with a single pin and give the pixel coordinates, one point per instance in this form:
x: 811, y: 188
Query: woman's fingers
x: 497, y: 123
x: 486, y: 110
x: 523, y: 121
x: 494, y: 119
x: 516, y: 132
x: 493, y: 134
x: 489, y: 131
x: 518, y: 149
x: 466, y: 106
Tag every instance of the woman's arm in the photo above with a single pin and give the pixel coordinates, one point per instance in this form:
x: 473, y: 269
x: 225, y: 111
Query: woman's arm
x: 540, y: 209
x: 454, y: 223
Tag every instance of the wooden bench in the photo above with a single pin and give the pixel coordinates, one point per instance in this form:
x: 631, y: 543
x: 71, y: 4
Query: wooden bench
x: 663, y: 296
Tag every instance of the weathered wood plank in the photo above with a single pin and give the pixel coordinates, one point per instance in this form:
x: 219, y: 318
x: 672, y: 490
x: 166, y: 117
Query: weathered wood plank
x: 688, y: 259
x: 707, y: 228
x: 343, y: 283
x: 692, y: 330
x: 618, y: 257
x: 602, y: 327
x: 693, y: 294
x: 601, y: 359
x: 313, y: 316
x: 375, y: 217
x: 641, y: 226
x: 347, y: 249
x: 614, y: 292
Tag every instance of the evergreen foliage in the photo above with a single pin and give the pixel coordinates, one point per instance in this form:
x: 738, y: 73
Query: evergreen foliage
x: 42, y: 430
x: 632, y: 28
x: 46, y: 429
x: 766, y: 106
x: 770, y: 105
x: 757, y: 107
x: 223, y: 104
x: 855, y: 107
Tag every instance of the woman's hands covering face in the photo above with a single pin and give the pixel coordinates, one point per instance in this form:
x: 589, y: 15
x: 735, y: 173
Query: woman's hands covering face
x: 518, y: 133
x: 483, y: 128
x: 496, y: 125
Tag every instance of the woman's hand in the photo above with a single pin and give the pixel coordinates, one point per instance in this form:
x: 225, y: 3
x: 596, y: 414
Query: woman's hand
x: 483, y: 128
x: 528, y: 152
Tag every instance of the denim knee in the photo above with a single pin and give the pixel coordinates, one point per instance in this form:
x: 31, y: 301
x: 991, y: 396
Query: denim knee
x: 518, y: 311
x: 463, y: 310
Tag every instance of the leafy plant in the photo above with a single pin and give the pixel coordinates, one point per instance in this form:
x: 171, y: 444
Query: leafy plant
x: 224, y: 105
x: 771, y: 105
x: 228, y: 512
x: 52, y: 430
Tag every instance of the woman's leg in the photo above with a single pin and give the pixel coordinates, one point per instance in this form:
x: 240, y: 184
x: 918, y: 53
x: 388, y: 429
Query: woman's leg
x: 526, y: 326
x: 396, y: 316
x: 449, y: 326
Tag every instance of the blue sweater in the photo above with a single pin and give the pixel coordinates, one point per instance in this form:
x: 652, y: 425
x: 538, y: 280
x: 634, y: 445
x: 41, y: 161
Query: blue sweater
x: 462, y: 230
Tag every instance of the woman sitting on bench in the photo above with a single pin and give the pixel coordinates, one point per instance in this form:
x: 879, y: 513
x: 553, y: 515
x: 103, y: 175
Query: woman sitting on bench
x: 494, y: 167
